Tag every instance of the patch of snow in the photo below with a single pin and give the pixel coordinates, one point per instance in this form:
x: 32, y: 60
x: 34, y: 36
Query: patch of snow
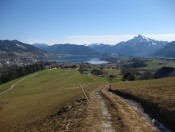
x: 143, y: 38
x: 153, y: 43
x: 96, y: 44
x: 21, y: 46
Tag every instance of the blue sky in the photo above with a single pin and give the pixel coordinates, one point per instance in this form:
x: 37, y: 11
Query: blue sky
x: 86, y: 21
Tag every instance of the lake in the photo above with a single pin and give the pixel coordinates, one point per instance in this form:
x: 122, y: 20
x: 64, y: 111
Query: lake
x: 85, y: 59
x: 96, y: 61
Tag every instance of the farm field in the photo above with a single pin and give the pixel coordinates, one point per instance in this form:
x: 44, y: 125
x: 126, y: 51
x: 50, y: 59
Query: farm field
x: 158, y: 96
x: 38, y: 96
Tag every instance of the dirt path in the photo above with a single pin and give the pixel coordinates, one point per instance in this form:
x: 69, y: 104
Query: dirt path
x: 13, y: 85
x: 106, y: 123
x: 98, y: 117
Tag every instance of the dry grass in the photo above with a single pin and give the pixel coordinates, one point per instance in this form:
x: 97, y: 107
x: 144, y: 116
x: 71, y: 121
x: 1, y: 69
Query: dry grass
x: 161, y: 91
x: 158, y: 96
x: 125, y: 117
x: 68, y: 118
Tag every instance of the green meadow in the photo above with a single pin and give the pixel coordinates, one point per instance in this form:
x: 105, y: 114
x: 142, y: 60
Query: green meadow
x: 39, y: 96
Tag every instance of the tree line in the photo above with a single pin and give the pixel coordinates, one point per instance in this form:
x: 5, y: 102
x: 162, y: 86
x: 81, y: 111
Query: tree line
x: 20, y: 71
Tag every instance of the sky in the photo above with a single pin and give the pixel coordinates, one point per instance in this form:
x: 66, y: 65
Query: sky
x: 86, y: 21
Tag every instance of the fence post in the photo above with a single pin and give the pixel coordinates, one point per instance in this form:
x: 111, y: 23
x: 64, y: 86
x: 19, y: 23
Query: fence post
x: 84, y: 93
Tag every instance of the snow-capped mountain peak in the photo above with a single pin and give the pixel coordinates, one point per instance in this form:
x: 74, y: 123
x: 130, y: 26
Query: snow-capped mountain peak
x: 96, y: 44
x: 141, y: 38
x: 137, y: 46
x: 40, y: 44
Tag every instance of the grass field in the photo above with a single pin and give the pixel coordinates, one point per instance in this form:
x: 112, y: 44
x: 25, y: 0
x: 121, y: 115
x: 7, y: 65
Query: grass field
x: 114, y: 72
x: 36, y: 97
x: 157, y: 94
x: 157, y: 63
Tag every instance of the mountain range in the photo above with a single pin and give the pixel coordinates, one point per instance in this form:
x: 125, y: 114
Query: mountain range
x: 71, y: 49
x: 138, y: 46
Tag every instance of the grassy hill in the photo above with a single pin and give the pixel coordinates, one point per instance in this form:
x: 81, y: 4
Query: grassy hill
x: 157, y: 96
x: 38, y: 96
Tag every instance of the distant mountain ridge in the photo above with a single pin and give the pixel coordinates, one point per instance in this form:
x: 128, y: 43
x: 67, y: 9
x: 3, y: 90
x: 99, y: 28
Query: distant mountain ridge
x: 16, y: 48
x: 100, y: 47
x: 138, y: 46
x: 167, y: 51
x: 71, y: 49
x: 40, y: 45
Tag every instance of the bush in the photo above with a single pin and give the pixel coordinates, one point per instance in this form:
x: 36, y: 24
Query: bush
x: 96, y: 72
x: 128, y: 77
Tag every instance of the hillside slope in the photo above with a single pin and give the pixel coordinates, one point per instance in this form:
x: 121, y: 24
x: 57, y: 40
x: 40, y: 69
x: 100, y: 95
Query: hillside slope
x: 36, y: 97
x: 167, y: 51
x: 157, y: 96
x: 16, y: 48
